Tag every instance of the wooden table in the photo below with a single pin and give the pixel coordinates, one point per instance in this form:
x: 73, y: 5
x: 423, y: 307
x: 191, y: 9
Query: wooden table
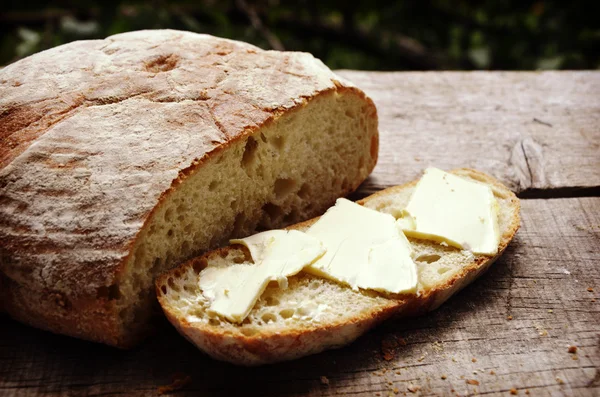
x: 537, y: 132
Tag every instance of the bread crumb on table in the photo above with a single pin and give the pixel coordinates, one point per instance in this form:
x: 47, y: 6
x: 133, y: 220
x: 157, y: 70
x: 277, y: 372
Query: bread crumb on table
x: 444, y: 377
x: 573, y: 349
x: 324, y: 381
x: 437, y: 346
x: 509, y: 318
x: 560, y: 381
x: 492, y: 372
x: 514, y: 391
x: 590, y: 289
x: 474, y: 360
x: 389, y: 344
x: 413, y: 388
x: 472, y: 382
x: 178, y: 382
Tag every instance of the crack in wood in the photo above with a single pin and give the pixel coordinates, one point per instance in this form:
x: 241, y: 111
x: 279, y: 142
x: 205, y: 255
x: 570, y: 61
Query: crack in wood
x: 561, y: 192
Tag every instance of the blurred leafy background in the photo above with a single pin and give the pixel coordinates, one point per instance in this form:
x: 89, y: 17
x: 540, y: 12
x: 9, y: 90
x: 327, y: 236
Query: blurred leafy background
x: 374, y: 34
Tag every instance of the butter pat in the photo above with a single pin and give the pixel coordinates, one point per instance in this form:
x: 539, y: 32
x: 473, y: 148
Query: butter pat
x: 277, y: 254
x: 365, y: 249
x: 449, y: 209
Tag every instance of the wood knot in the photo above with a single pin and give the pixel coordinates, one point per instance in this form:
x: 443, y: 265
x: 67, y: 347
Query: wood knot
x: 162, y: 63
x: 527, y: 164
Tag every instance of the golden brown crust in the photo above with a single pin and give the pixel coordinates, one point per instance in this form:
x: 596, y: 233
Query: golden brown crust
x: 96, y: 134
x: 276, y: 346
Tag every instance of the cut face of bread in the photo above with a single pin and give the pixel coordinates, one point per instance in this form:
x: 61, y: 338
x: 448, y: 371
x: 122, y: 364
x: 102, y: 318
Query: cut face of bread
x: 314, y: 314
x: 123, y: 157
x: 292, y: 169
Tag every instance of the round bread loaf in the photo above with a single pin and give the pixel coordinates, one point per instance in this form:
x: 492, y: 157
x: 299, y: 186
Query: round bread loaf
x: 123, y: 157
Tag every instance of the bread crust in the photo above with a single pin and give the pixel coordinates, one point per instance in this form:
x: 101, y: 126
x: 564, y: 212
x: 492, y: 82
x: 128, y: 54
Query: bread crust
x: 268, y: 347
x: 96, y: 134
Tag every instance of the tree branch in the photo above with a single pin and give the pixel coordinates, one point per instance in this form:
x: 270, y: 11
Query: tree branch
x: 257, y: 24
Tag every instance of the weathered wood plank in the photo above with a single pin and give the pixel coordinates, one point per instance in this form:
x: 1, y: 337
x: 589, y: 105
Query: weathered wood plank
x: 532, y: 130
x: 542, y: 281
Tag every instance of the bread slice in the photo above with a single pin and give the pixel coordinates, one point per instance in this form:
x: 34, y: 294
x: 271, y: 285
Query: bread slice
x: 124, y: 157
x: 314, y: 314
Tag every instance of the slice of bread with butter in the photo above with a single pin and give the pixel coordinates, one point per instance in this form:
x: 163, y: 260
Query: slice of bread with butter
x: 284, y: 294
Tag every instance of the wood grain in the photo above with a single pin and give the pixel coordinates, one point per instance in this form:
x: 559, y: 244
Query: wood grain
x: 532, y: 130
x: 537, y: 132
x: 541, y: 281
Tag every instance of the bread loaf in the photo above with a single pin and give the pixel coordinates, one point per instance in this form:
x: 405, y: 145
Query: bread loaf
x: 123, y: 157
x: 314, y: 314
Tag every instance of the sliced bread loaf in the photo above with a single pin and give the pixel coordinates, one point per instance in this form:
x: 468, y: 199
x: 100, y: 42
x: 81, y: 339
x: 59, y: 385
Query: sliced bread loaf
x: 123, y: 157
x: 314, y: 314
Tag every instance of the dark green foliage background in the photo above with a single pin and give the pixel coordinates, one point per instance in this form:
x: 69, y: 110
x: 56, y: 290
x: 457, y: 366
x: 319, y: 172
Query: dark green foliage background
x: 374, y: 34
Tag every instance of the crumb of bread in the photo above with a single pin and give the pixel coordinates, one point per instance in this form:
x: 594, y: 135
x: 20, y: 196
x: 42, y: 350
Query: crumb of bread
x: 472, y: 382
x: 560, y: 381
x: 178, y: 382
x: 444, y: 377
x: 492, y: 372
x: 509, y: 318
x: 413, y: 388
x: 572, y: 349
x: 474, y: 360
x: 514, y: 391
x: 590, y: 289
x: 388, y: 347
x: 574, y: 357
x: 395, y: 390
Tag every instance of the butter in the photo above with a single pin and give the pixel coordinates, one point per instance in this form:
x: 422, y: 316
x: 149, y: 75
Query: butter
x: 365, y: 249
x: 452, y: 210
x: 277, y: 254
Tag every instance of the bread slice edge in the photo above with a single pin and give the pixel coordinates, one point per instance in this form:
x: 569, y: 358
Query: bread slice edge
x: 274, y: 346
